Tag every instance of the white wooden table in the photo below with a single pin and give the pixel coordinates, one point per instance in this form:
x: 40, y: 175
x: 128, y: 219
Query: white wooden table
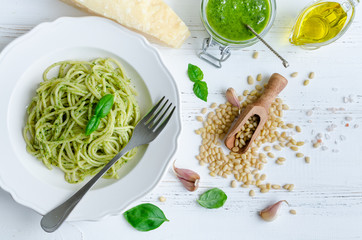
x: 328, y: 193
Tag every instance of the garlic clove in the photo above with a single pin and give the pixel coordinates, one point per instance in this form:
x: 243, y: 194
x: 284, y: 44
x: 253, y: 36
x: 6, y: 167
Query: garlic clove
x: 188, y: 178
x: 232, y: 97
x: 270, y: 213
x: 191, y: 186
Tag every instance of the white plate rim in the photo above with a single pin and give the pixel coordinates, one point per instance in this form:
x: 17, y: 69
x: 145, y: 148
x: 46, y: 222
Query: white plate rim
x: 44, y: 26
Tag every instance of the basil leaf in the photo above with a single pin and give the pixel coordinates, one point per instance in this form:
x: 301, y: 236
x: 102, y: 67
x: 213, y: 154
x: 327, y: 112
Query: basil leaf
x: 104, y: 106
x: 201, y: 90
x: 102, y: 109
x: 213, y: 198
x: 145, y: 217
x: 195, y: 73
x: 92, y: 125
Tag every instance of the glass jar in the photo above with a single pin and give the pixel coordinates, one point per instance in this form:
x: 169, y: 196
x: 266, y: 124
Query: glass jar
x: 328, y: 15
x: 226, y: 45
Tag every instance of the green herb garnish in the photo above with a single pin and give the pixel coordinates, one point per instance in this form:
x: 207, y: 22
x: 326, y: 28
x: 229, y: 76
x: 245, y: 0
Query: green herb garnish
x: 104, y: 106
x: 213, y: 198
x: 145, y: 217
x: 200, y: 87
x: 102, y: 109
x: 92, y: 125
x: 195, y: 73
x: 200, y: 90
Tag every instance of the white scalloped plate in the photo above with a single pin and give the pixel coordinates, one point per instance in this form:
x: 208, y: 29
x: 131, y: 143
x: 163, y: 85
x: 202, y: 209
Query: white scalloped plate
x: 22, y: 63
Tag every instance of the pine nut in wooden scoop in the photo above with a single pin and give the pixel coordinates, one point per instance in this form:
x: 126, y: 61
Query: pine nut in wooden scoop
x: 256, y: 113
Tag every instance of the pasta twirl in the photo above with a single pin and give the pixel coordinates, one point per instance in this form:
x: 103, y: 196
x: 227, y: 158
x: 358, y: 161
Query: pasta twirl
x: 58, y: 115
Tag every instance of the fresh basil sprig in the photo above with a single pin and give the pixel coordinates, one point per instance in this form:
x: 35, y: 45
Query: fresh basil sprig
x: 92, y: 125
x: 104, y: 106
x: 213, y: 198
x: 200, y: 90
x: 145, y: 217
x: 195, y: 73
x: 102, y: 109
x: 200, y: 87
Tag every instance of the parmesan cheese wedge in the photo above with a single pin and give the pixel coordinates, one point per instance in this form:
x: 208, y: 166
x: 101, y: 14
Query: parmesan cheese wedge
x: 153, y: 18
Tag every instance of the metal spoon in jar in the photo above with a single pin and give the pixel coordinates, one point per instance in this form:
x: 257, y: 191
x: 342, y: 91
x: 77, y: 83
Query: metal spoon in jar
x: 285, y: 63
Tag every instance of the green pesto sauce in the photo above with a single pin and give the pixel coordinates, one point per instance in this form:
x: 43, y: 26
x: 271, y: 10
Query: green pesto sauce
x: 226, y: 17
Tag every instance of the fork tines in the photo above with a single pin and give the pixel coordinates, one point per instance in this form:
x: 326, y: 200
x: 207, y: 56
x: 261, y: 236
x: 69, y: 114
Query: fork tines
x: 158, y: 120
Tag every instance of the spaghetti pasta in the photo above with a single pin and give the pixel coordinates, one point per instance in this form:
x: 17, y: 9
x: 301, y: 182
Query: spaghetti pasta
x: 63, y: 105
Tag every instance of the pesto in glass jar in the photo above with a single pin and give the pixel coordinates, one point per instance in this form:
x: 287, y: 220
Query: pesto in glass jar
x: 227, y: 17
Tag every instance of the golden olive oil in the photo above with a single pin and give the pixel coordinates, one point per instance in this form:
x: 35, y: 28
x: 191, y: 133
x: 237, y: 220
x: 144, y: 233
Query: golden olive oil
x: 318, y: 23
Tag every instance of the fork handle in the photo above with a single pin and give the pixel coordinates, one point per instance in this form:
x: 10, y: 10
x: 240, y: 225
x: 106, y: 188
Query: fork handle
x: 53, y: 219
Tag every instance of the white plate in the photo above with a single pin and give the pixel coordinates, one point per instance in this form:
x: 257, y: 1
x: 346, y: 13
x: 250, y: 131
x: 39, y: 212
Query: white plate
x: 22, y: 63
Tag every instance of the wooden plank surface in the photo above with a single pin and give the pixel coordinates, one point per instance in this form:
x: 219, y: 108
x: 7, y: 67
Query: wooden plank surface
x: 328, y: 193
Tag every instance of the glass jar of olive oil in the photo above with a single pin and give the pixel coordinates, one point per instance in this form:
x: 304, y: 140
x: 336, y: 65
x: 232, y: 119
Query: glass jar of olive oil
x: 322, y: 22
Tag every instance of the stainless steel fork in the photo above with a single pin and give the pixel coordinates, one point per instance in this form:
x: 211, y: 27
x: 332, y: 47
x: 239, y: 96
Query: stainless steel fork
x: 145, y: 132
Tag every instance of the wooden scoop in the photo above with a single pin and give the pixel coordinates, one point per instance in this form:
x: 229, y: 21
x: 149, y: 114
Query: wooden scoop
x: 260, y: 108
